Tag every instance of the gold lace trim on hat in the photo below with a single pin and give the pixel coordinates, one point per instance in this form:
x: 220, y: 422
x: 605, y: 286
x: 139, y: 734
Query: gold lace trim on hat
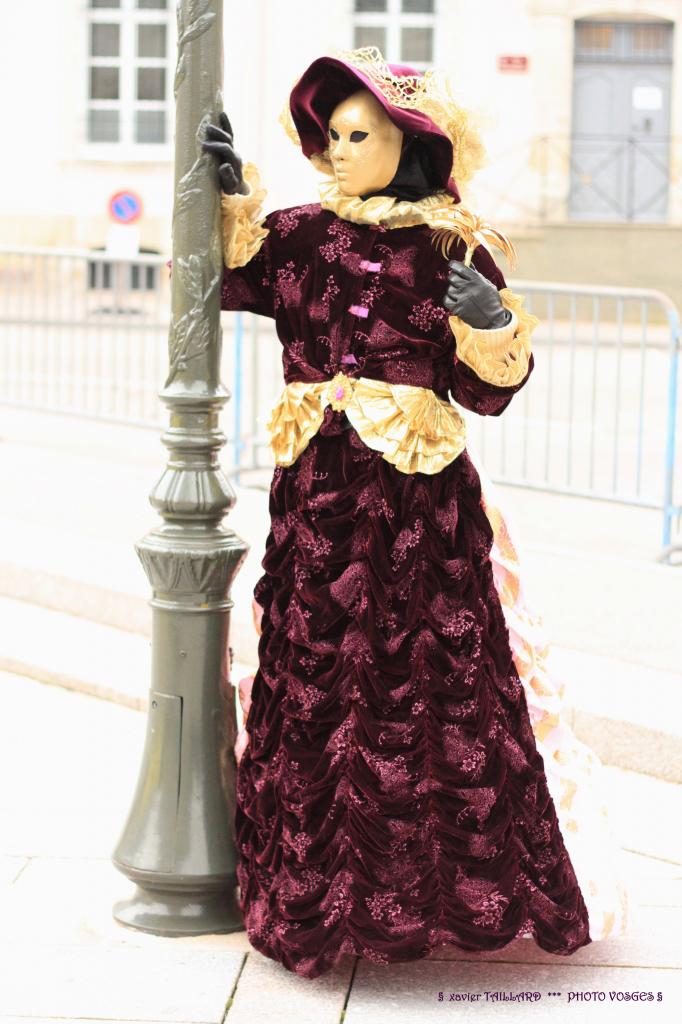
x: 414, y: 429
x: 242, y: 219
x: 429, y: 94
x: 499, y: 356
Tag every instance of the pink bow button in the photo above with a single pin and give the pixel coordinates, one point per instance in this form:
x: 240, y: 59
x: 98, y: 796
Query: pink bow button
x: 373, y: 268
x: 359, y: 311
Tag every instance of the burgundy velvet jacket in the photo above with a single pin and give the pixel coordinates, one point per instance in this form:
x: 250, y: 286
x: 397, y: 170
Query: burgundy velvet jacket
x: 362, y: 299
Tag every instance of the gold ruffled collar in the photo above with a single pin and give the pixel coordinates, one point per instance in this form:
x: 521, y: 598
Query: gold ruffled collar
x: 448, y: 220
x: 385, y: 210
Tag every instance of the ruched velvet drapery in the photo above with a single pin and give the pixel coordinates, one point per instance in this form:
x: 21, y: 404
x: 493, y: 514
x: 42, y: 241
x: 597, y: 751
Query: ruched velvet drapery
x: 391, y: 798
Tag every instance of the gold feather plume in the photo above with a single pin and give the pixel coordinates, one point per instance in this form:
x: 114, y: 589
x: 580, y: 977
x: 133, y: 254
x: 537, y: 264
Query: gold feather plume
x: 456, y: 221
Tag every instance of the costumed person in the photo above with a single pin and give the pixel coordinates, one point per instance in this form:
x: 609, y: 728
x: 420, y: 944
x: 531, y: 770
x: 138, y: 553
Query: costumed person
x: 392, y: 797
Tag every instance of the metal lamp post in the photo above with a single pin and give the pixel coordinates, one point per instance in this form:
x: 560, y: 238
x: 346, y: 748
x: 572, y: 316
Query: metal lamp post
x: 177, y: 845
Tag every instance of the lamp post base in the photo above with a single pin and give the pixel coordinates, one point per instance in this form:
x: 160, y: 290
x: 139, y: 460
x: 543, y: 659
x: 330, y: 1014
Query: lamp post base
x: 190, y: 908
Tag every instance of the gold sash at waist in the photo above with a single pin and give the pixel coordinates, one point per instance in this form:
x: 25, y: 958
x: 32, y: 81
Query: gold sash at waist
x: 412, y: 427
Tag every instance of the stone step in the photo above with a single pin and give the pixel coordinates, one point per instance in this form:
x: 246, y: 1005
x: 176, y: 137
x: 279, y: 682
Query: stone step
x: 80, y: 655
x: 101, y: 579
x: 627, y: 712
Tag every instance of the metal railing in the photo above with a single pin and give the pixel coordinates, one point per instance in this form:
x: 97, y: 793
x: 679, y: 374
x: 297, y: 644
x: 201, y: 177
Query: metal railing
x: 84, y: 333
x: 598, y: 418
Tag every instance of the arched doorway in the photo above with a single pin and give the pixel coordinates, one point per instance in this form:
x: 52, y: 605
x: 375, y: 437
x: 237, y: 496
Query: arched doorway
x: 620, y: 134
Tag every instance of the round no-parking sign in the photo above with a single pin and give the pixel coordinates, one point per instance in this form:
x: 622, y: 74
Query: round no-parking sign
x: 125, y: 207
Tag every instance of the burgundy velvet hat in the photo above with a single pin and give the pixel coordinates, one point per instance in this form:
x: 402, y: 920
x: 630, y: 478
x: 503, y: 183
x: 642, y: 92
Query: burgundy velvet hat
x: 329, y: 80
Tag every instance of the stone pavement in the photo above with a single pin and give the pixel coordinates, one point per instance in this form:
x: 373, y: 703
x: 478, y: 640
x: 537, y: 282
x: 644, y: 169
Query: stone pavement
x: 69, y: 763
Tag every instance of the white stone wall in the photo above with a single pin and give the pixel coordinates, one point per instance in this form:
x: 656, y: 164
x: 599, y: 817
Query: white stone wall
x: 55, y: 193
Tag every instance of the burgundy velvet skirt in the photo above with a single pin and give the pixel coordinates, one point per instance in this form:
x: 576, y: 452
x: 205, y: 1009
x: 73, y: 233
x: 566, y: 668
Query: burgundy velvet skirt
x: 391, y: 798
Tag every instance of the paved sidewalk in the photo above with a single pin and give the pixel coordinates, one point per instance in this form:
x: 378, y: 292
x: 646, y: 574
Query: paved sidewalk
x: 70, y: 765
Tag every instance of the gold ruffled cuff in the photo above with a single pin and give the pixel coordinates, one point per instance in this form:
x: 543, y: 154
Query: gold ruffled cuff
x: 243, y: 231
x: 499, y: 356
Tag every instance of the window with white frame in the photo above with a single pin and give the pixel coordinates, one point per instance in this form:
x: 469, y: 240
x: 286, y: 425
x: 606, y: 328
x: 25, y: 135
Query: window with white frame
x: 129, y: 87
x: 403, y: 30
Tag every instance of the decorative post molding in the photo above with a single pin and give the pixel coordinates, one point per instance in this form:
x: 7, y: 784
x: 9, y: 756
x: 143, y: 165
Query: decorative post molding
x: 178, y: 843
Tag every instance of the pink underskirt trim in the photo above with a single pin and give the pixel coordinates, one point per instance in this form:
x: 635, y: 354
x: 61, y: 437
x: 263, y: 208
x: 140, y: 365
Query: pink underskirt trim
x: 573, y: 770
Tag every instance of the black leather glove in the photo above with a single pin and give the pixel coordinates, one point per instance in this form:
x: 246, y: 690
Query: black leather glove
x: 474, y: 298
x: 220, y: 146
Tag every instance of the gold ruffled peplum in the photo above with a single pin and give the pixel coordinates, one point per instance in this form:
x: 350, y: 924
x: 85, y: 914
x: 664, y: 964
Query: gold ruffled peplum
x: 498, y: 356
x: 414, y: 429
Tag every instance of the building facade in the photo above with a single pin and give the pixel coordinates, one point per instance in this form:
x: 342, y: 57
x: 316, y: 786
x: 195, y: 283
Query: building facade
x: 579, y: 104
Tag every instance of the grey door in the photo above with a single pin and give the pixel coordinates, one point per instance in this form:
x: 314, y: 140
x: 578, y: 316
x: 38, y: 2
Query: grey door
x: 620, y: 137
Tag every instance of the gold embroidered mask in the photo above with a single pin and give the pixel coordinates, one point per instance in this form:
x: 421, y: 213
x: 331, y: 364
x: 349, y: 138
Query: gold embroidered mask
x: 364, y: 145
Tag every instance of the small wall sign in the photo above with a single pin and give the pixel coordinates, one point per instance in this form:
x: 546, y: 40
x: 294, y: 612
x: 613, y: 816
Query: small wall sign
x: 512, y: 62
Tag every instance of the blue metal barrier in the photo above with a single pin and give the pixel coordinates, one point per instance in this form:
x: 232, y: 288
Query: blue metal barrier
x: 598, y: 419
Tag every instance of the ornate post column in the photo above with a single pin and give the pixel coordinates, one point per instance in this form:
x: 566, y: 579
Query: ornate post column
x: 177, y: 845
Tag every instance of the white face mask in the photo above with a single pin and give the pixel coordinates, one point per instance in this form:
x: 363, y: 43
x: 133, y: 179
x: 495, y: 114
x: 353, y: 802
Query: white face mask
x: 364, y: 145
